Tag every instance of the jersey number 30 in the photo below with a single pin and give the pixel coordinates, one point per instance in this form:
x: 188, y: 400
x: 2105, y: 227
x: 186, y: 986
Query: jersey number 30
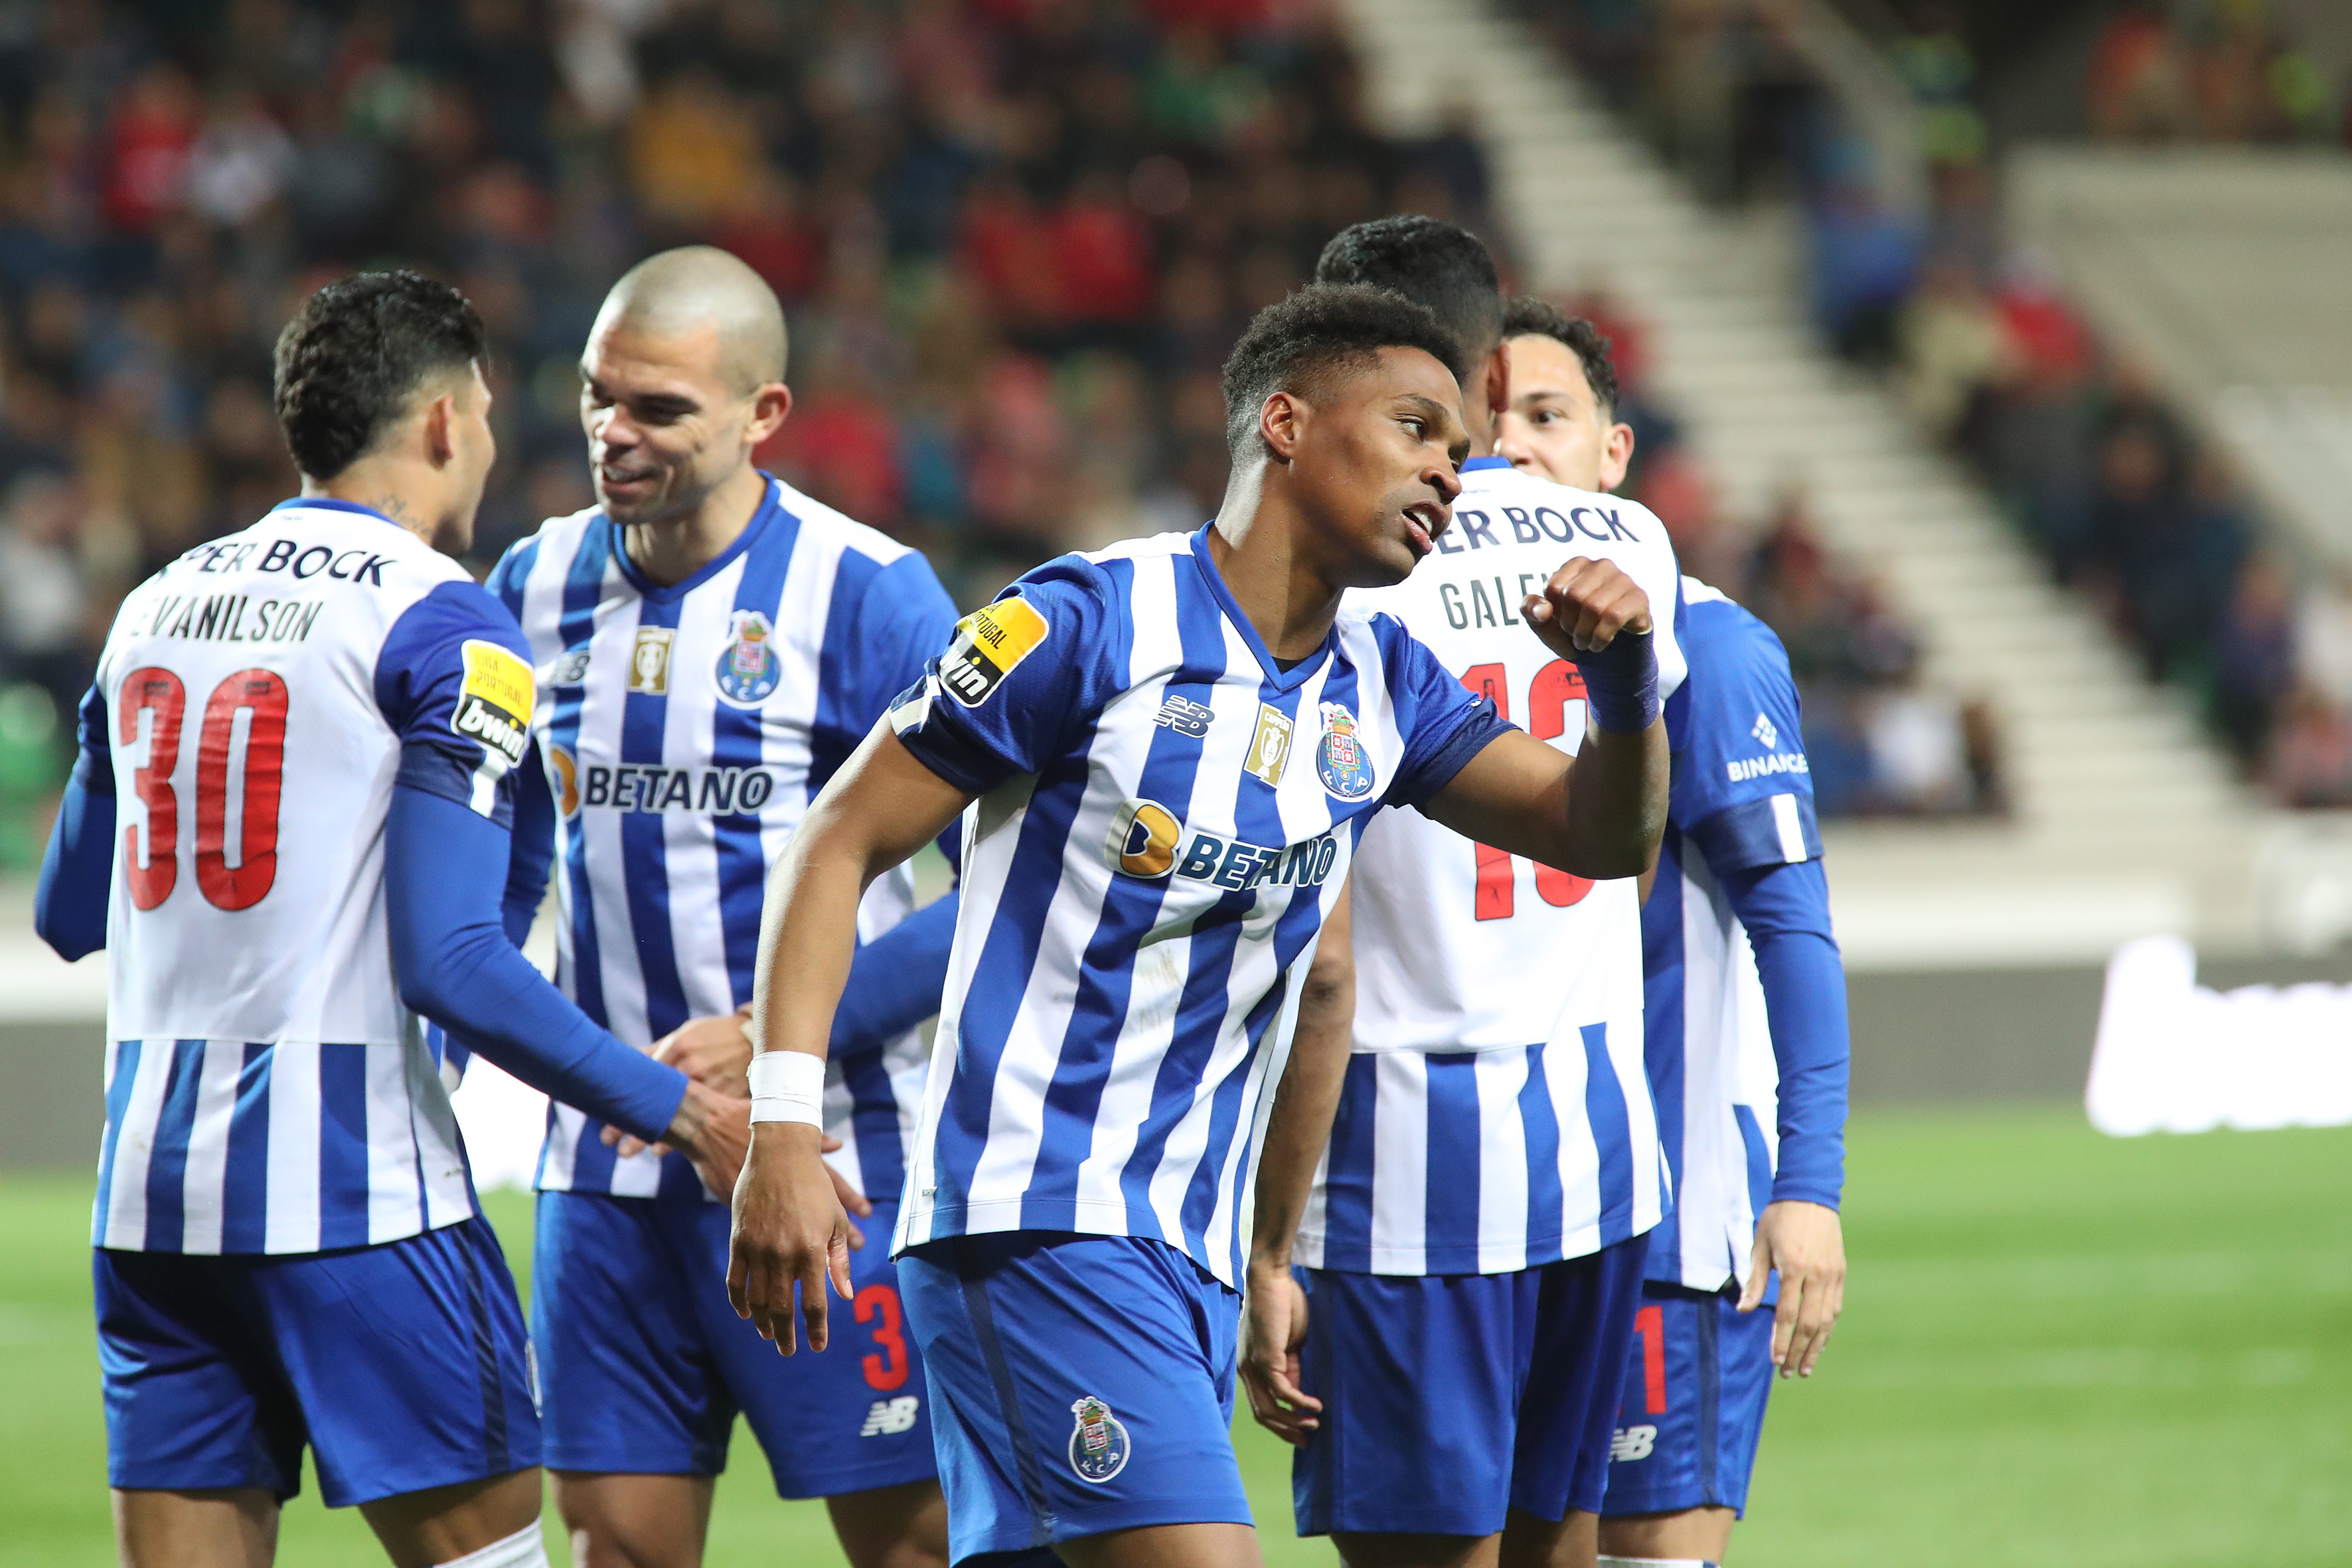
x: 1556, y: 684
x: 243, y: 734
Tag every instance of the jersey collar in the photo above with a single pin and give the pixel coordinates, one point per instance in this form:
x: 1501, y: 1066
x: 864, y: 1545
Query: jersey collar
x: 770, y: 505
x: 1479, y: 465
x: 1281, y: 680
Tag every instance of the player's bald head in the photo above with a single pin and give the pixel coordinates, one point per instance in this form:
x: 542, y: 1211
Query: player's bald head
x: 698, y: 287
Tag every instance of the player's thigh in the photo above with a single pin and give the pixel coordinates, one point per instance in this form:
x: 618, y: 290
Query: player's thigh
x: 1166, y: 1546
x: 1584, y: 1320
x: 233, y: 1528
x: 628, y: 1382
x: 197, y: 1401
x: 1699, y: 1534
x: 444, y: 1524
x: 409, y: 1362
x: 852, y: 1418
x: 1392, y: 1551
x: 1698, y: 1376
x: 1420, y: 1379
x: 1571, y: 1541
x: 903, y: 1526
x: 615, y: 1520
x: 1081, y: 1385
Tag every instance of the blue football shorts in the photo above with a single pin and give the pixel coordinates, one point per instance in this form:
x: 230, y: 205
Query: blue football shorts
x: 1085, y: 1384
x: 1696, y: 1378
x: 644, y: 1364
x: 1451, y: 1399
x: 403, y: 1366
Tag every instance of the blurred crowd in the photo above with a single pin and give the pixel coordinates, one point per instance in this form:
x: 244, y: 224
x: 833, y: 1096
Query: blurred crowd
x: 2122, y: 499
x: 1014, y: 239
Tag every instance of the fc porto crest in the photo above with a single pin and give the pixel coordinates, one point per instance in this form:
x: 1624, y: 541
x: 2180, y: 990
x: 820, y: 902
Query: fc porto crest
x: 1347, y: 772
x: 1098, y: 1444
x: 749, y: 668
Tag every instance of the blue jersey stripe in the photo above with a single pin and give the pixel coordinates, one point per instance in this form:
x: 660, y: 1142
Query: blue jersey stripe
x: 874, y: 1122
x: 1612, y: 1135
x: 584, y: 588
x: 509, y: 577
x: 118, y: 1105
x: 1759, y: 1159
x: 1348, y: 1188
x: 645, y: 848
x: 167, y: 1158
x: 1450, y: 1198
x: 1662, y: 1031
x: 844, y: 713
x: 342, y: 1146
x: 1539, y: 1120
x: 245, y: 1205
x: 735, y: 744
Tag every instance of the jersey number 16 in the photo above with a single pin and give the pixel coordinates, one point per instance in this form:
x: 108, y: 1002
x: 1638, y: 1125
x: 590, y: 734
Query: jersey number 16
x: 244, y: 724
x: 1556, y: 684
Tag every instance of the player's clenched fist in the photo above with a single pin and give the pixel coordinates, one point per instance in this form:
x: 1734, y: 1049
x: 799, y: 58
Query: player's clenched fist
x: 1585, y: 605
x: 790, y: 1230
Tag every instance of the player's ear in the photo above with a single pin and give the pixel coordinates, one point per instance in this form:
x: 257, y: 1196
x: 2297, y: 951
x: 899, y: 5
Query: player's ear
x: 1280, y: 424
x: 771, y: 405
x: 441, y: 429
x: 1498, y: 379
x: 1616, y: 456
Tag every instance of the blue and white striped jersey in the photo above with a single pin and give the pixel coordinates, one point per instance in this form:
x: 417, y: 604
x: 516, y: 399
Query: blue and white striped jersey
x: 681, y: 733
x: 1495, y: 1115
x: 1164, y: 815
x: 255, y: 702
x: 1741, y: 799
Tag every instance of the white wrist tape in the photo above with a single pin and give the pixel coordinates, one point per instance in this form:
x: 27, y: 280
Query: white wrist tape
x: 788, y: 1086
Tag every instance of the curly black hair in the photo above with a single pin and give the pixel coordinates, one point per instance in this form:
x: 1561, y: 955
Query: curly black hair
x: 1293, y: 345
x: 1430, y: 261
x: 357, y: 352
x: 1527, y: 316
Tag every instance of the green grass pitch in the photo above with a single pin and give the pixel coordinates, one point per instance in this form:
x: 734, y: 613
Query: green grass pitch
x: 2058, y: 1350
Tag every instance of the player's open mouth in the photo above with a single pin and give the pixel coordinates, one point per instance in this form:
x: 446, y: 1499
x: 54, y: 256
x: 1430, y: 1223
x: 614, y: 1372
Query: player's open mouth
x: 1423, y: 521
x: 623, y: 478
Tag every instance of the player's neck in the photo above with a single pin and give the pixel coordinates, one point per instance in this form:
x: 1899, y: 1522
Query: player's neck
x: 1262, y: 548
x: 670, y: 550
x: 1483, y: 397
x: 391, y: 485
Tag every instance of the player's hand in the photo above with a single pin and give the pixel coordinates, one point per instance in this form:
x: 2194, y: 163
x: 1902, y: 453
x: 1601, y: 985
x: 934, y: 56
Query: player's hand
x: 1585, y: 605
x: 1807, y: 1245
x: 1274, y: 1325
x: 716, y: 1050
x: 713, y: 1129
x: 790, y: 1231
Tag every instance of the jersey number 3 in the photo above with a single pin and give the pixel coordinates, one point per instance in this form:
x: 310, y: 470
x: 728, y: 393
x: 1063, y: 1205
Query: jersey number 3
x: 1556, y: 684
x: 242, y: 735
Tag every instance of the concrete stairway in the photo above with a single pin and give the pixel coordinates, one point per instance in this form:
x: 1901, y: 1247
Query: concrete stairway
x: 2128, y: 820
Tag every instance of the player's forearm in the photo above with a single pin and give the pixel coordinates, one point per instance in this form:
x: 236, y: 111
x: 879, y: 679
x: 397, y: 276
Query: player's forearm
x: 1617, y: 803
x: 78, y: 868
x: 1785, y: 910
x: 444, y: 866
x: 896, y: 980
x: 881, y: 807
x: 1308, y: 1097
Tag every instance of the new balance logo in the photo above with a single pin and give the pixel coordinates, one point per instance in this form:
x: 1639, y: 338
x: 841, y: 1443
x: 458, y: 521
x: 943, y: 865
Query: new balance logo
x: 891, y: 1416
x: 1185, y: 716
x: 1765, y: 734
x: 1626, y: 1444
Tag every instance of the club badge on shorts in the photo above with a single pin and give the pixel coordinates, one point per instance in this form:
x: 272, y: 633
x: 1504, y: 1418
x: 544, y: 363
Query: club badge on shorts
x: 1347, y: 772
x: 748, y: 667
x: 1098, y: 1444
